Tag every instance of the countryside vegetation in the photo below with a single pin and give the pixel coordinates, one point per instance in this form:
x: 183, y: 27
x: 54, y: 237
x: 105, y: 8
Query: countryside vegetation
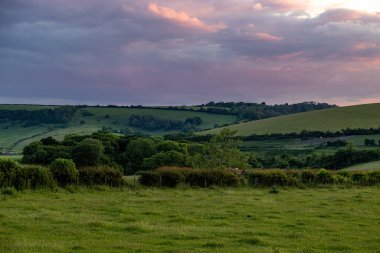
x: 142, y: 179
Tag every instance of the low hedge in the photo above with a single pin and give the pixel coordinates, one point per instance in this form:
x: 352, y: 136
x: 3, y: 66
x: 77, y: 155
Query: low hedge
x: 100, y: 175
x: 171, y: 177
x: 24, y: 177
x: 311, y: 178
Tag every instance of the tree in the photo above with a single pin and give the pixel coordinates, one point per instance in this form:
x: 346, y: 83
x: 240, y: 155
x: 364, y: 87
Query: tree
x: 135, y: 153
x: 223, y: 151
x: 88, y: 152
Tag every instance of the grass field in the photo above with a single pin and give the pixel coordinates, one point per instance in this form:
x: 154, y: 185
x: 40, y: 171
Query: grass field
x: 16, y: 137
x: 365, y: 166
x: 192, y: 220
x: 334, y: 119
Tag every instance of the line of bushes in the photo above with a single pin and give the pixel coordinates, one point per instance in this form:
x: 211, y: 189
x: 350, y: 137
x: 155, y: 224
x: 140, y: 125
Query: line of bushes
x: 61, y: 172
x: 262, y: 178
x: 174, y: 176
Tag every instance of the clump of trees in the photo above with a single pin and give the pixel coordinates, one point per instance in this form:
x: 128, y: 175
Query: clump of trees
x: 152, y: 123
x: 59, y: 115
x: 135, y: 153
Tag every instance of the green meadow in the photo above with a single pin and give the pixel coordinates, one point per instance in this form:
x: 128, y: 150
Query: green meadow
x: 191, y: 220
x: 334, y: 119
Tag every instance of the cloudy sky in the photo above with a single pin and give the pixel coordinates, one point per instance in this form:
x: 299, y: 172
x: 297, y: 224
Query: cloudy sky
x: 189, y: 52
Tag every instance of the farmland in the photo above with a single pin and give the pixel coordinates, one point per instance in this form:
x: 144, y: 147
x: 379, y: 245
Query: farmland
x: 334, y: 119
x: 14, y: 136
x: 180, y: 220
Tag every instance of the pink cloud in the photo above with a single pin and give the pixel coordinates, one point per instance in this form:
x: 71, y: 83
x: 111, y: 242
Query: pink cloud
x: 183, y: 18
x: 285, y: 5
x: 364, y: 45
x: 268, y: 37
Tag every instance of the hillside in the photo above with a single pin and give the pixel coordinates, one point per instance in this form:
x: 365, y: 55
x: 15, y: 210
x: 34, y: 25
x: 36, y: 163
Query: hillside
x: 334, y: 119
x: 14, y: 135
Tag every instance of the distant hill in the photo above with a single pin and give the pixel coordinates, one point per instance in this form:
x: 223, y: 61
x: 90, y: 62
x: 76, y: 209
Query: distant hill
x: 333, y: 119
x: 22, y: 124
x: 15, y: 134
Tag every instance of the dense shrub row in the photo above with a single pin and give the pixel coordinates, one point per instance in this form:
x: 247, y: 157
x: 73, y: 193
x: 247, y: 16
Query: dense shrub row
x: 61, y: 172
x: 173, y: 176
x: 311, y: 178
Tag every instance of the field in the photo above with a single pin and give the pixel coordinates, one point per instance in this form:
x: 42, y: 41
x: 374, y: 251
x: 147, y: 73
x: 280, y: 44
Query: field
x: 192, y: 220
x: 306, y: 146
x: 365, y: 166
x: 16, y: 137
x: 334, y: 119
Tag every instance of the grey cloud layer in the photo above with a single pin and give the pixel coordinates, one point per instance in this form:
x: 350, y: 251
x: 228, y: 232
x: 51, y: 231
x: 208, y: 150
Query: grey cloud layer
x: 123, y: 52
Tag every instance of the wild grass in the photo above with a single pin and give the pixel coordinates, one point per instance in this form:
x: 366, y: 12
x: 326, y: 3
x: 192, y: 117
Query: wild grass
x: 101, y: 219
x: 334, y: 119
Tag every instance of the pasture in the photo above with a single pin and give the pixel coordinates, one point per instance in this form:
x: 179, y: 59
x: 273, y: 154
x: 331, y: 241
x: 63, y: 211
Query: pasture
x: 334, y: 119
x: 191, y: 220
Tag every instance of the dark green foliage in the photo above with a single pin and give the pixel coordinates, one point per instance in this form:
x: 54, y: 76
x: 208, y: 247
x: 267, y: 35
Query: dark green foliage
x: 373, y: 177
x: 59, y: 115
x: 169, y: 158
x: 172, y: 176
x: 324, y: 177
x: 9, y: 171
x: 88, y: 152
x: 269, y: 178
x: 64, y: 172
x: 255, y: 111
x: 149, y: 178
x: 308, y: 177
x: 26, y: 177
x: 100, y: 175
x: 152, y: 123
x: 210, y: 177
x: 34, y: 177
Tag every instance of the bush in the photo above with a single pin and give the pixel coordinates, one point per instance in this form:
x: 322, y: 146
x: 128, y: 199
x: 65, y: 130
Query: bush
x: 308, y: 177
x: 33, y: 177
x: 149, y: 178
x: 272, y: 177
x: 100, y: 175
x: 324, y: 177
x: 9, y: 171
x: 373, y: 177
x: 359, y: 178
x: 171, y: 178
x: 64, y: 171
x: 209, y: 177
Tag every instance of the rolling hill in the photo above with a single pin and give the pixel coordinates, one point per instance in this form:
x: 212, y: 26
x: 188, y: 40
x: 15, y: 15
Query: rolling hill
x: 333, y: 119
x: 15, y: 136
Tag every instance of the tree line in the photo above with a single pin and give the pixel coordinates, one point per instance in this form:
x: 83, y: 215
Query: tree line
x: 59, y: 115
x: 152, y: 123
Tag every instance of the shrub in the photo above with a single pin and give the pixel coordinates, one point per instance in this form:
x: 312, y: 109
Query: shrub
x: 149, y: 178
x: 32, y: 177
x: 359, y: 178
x: 339, y: 179
x: 8, y: 191
x: 8, y: 170
x: 271, y: 177
x: 324, y: 177
x: 64, y: 171
x: 209, y: 177
x: 100, y: 175
x: 373, y: 177
x: 171, y: 178
x: 308, y: 177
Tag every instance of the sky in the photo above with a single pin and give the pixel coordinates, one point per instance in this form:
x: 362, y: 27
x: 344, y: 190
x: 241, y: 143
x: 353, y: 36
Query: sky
x: 170, y: 52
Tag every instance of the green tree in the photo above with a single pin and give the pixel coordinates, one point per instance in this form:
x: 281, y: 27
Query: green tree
x: 223, y: 151
x: 89, y: 152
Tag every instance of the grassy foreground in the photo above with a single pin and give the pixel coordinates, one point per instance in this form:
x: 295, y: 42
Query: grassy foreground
x: 192, y: 220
